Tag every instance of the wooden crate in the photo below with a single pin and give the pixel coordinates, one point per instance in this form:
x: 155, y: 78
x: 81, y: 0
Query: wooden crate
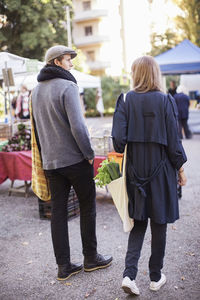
x: 73, y: 207
x: 5, y: 131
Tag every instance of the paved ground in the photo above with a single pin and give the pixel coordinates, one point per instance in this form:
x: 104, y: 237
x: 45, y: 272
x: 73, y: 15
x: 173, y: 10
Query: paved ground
x: 27, y: 264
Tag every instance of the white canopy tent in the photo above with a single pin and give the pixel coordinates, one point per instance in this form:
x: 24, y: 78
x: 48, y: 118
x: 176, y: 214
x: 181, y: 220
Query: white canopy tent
x: 19, y: 65
x: 25, y: 71
x: 85, y: 80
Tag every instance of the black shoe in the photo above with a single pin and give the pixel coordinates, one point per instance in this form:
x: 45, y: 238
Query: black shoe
x: 92, y: 263
x: 67, y: 270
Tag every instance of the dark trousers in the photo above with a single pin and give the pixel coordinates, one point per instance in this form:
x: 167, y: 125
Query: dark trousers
x: 184, y: 125
x: 158, y: 242
x: 80, y: 176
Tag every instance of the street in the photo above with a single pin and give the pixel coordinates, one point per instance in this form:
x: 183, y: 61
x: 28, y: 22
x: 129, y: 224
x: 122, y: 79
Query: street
x: 27, y: 264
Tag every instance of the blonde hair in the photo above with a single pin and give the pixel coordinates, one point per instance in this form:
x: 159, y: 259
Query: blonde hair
x: 146, y: 75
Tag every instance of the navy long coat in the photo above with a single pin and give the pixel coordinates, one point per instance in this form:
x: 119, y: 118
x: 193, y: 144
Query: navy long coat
x: 147, y: 122
x: 182, y: 102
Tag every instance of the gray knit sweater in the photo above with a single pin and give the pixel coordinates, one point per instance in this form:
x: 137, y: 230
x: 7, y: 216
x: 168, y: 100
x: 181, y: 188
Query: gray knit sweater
x: 60, y: 124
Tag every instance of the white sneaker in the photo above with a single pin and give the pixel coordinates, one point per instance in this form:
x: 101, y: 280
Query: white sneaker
x: 155, y: 286
x: 129, y: 286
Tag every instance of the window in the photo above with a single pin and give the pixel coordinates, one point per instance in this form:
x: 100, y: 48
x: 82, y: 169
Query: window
x: 91, y: 55
x: 88, y: 30
x: 86, y: 5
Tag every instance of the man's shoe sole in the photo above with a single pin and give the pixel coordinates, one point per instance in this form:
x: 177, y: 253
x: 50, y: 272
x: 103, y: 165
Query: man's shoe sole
x: 74, y: 273
x: 128, y: 290
x: 98, y: 267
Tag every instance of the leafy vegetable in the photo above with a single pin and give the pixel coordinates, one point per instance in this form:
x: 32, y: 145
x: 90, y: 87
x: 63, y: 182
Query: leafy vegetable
x: 108, y: 171
x: 20, y: 141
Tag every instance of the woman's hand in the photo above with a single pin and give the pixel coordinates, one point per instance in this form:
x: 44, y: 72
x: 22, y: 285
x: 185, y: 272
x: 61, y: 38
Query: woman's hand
x: 91, y: 161
x: 181, y: 177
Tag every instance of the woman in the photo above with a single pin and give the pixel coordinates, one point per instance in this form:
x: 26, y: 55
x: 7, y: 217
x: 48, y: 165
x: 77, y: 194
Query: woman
x: 22, y: 103
x: 146, y: 120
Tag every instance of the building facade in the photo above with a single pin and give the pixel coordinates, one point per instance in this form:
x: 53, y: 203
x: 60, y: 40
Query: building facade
x: 97, y: 32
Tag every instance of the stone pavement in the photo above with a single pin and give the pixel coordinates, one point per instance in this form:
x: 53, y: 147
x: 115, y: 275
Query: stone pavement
x: 27, y: 264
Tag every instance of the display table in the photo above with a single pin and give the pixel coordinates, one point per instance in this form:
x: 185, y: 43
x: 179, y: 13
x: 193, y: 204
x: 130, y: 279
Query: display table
x: 18, y: 166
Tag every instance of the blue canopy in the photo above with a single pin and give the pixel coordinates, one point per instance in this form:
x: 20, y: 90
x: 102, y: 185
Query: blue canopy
x: 182, y: 59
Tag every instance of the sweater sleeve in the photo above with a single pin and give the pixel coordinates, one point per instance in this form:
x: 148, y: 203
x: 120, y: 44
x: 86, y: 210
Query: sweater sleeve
x: 175, y: 149
x: 119, y: 129
x: 77, y: 122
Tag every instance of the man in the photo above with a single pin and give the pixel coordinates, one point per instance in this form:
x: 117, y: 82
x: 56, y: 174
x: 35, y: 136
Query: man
x: 172, y: 89
x: 183, y: 102
x: 67, y: 159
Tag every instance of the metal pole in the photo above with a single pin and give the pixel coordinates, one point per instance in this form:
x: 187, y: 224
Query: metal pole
x: 123, y: 34
x: 10, y: 105
x: 69, y: 36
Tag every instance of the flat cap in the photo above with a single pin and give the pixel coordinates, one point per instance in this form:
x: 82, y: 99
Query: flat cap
x: 57, y: 51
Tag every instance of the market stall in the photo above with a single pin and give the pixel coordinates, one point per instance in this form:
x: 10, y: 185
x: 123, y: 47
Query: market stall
x: 183, y: 59
x: 16, y: 166
x: 25, y: 71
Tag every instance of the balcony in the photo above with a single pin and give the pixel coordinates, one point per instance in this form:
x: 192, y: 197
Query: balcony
x: 98, y: 65
x: 90, y: 40
x: 89, y: 15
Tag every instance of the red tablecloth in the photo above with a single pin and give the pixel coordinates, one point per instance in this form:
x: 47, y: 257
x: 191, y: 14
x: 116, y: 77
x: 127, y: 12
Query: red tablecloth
x: 17, y: 165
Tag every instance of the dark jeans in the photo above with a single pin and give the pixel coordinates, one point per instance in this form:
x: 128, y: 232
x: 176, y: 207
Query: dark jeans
x: 80, y: 176
x: 158, y: 242
x: 184, y: 125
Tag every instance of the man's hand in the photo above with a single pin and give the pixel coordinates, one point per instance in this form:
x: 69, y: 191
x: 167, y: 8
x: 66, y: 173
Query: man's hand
x: 91, y: 161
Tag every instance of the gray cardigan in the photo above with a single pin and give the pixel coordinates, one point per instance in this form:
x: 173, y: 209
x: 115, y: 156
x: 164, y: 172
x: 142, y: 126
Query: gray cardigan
x: 60, y: 124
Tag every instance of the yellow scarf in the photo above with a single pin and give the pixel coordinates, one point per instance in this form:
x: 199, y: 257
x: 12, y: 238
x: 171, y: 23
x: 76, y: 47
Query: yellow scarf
x: 40, y: 184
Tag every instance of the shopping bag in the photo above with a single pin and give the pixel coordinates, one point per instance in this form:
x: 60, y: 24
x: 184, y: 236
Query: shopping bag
x: 118, y: 191
x: 40, y: 184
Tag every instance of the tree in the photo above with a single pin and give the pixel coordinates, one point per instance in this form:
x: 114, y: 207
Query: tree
x: 111, y: 89
x: 30, y: 27
x: 79, y: 62
x: 188, y: 22
x: 187, y: 25
x: 163, y: 42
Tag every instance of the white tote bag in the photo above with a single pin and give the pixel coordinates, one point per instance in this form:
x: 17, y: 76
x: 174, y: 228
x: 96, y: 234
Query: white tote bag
x: 118, y: 191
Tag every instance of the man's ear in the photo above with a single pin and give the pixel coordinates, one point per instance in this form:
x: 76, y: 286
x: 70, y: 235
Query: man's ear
x: 57, y: 62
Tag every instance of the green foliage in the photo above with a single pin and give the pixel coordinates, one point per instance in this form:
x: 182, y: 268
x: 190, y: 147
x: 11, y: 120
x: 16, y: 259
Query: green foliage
x: 32, y: 26
x: 111, y: 89
x: 90, y: 99
x: 1, y: 103
x: 175, y: 78
x: 107, y: 172
x: 163, y: 42
x: 92, y: 113
x: 188, y: 22
x: 20, y: 141
x: 79, y: 62
x: 187, y: 26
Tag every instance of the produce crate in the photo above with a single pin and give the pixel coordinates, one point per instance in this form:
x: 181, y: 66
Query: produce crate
x: 3, y: 142
x: 5, y: 131
x: 73, y: 207
x: 118, y: 158
x: 102, y: 145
